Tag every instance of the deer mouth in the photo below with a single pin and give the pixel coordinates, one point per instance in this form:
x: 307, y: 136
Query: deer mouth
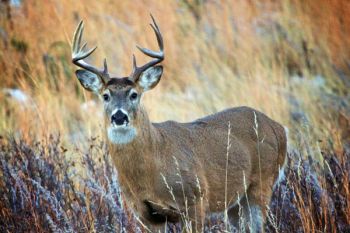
x: 120, y: 125
x: 121, y: 134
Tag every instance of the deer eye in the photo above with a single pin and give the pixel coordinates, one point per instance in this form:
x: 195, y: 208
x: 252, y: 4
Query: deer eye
x: 106, y: 97
x: 133, y: 96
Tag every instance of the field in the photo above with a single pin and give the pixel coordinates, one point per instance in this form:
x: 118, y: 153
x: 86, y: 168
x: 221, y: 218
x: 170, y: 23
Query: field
x: 288, y: 59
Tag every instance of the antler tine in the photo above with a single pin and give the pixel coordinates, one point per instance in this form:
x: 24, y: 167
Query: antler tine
x: 159, y: 56
x: 78, y: 54
x: 158, y: 34
x: 105, y: 67
x: 134, y: 66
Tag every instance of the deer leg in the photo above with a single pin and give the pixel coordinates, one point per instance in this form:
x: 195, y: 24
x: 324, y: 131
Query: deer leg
x: 246, y: 217
x: 238, y: 214
x: 150, y: 227
x: 258, y: 199
x: 249, y: 214
x: 155, y: 216
x: 194, y: 222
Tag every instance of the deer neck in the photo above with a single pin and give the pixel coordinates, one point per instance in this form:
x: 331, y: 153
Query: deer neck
x: 145, y: 140
x: 135, y: 160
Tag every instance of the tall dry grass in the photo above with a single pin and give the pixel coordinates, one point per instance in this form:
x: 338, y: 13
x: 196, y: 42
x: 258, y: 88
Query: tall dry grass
x: 219, y: 54
x: 41, y: 190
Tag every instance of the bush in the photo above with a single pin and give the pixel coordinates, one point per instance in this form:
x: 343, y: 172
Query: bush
x: 43, y: 189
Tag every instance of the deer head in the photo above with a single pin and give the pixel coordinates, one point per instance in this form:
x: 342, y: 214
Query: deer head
x: 121, y: 95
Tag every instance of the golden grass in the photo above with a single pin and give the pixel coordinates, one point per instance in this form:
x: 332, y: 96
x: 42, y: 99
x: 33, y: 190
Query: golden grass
x: 219, y: 54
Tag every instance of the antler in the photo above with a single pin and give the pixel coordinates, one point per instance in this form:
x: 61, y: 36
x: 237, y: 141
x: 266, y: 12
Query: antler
x: 159, y: 56
x: 78, y: 54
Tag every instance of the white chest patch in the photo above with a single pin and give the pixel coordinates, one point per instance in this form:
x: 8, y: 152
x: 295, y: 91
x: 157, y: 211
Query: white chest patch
x: 121, y: 135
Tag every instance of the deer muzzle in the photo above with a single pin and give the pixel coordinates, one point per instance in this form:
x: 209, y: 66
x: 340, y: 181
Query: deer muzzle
x: 119, y: 118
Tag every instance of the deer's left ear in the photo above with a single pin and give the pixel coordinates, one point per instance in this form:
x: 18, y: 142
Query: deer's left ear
x: 150, y: 77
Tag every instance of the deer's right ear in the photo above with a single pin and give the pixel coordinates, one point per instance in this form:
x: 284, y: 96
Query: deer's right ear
x: 89, y: 80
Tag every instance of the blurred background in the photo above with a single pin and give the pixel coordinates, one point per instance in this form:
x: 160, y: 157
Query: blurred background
x: 289, y: 59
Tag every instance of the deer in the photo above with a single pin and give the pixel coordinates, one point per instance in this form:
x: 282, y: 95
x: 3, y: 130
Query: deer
x: 174, y: 172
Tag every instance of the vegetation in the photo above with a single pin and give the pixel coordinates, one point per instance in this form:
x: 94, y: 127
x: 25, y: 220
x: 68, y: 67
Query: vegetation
x: 288, y: 59
x: 42, y: 191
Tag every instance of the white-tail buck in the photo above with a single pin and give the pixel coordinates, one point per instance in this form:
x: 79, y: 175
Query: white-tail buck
x: 172, y: 171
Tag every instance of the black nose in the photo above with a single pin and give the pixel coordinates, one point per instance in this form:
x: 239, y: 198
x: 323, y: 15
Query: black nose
x: 119, y: 118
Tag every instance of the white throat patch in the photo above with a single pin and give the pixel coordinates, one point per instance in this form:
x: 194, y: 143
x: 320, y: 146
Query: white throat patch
x: 121, y: 134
